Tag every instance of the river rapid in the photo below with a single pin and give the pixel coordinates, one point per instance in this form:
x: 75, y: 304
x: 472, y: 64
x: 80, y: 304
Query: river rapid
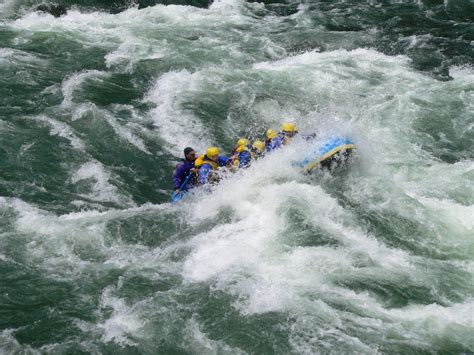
x: 96, y: 106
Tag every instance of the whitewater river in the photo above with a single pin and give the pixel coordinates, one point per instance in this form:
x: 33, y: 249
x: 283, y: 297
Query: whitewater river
x: 96, y: 107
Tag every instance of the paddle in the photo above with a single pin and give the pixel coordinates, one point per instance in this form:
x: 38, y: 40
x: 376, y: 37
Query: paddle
x: 178, y: 195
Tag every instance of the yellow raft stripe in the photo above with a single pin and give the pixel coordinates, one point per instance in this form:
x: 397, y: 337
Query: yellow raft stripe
x: 314, y: 163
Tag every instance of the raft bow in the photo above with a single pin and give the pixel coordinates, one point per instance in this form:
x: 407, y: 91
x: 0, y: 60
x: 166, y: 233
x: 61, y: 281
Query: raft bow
x: 329, y: 155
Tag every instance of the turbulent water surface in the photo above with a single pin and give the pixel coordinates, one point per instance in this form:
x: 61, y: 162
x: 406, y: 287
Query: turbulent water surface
x: 97, y: 104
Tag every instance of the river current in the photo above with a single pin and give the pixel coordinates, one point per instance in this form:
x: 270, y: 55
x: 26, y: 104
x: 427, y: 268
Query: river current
x: 96, y: 106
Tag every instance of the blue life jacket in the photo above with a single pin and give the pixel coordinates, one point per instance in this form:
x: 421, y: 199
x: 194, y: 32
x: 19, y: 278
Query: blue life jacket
x: 206, y: 165
x: 275, y: 143
x: 244, y: 159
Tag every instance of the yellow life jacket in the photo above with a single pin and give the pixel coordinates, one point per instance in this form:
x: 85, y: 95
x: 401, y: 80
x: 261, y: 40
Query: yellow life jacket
x: 234, y: 161
x: 202, y: 160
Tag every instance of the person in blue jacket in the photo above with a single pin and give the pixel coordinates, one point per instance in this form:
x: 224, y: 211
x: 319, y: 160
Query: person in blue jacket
x: 208, y: 163
x: 241, y: 157
x: 183, y: 169
x: 273, y: 140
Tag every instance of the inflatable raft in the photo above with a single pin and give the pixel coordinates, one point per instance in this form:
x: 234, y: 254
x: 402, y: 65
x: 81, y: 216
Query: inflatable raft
x: 330, y: 154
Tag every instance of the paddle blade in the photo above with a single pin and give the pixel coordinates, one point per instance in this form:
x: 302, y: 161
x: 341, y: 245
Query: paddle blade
x: 177, y: 196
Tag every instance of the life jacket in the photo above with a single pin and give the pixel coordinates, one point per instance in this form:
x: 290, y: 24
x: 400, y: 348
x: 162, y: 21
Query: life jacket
x: 285, y: 138
x: 202, y: 160
x: 234, y: 159
x: 274, y: 143
x: 245, y: 158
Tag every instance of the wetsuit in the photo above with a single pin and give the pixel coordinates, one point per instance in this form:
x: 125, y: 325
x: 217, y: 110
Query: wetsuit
x: 182, y: 170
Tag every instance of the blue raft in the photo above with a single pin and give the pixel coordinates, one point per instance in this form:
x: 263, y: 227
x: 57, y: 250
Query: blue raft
x: 330, y: 154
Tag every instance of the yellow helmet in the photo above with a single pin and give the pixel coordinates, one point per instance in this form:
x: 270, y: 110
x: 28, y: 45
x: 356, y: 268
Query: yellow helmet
x: 212, y: 151
x: 259, y: 146
x: 242, y: 142
x: 270, y: 133
x: 288, y: 127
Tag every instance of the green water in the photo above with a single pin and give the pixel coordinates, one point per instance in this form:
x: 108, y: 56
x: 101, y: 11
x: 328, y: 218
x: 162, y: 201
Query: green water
x: 96, y: 107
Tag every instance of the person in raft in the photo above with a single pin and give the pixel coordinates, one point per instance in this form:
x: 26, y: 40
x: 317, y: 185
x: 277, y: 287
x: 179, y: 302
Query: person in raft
x: 207, y: 165
x: 288, y: 131
x: 241, y: 154
x: 275, y: 140
x: 184, y: 169
x: 258, y: 149
x: 272, y: 140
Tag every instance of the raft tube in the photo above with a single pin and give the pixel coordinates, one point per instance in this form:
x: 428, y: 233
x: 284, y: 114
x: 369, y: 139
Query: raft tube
x: 330, y: 154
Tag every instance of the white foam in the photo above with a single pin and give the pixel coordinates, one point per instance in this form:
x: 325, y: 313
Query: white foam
x: 34, y: 220
x: 422, y: 324
x: 141, y: 51
x: 83, y: 109
x: 63, y: 130
x: 132, y: 34
x: 126, y: 133
x: 242, y: 246
x: 122, y: 323
x: 448, y: 184
x: 341, y: 88
x: 66, y: 246
x: 5, y: 5
x: 102, y: 189
x: 14, y: 57
x: 197, y: 340
x: 51, y: 241
x: 94, y: 28
x: 69, y: 247
x: 9, y: 344
x: 462, y: 73
x: 455, y: 213
x: 442, y: 316
x: 358, y: 59
x: 5, y: 258
x: 6, y: 53
x: 227, y: 7
x: 245, y: 256
x: 179, y: 127
x: 73, y: 82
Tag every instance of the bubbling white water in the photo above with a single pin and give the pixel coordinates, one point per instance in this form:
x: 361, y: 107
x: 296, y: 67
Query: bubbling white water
x: 240, y: 237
